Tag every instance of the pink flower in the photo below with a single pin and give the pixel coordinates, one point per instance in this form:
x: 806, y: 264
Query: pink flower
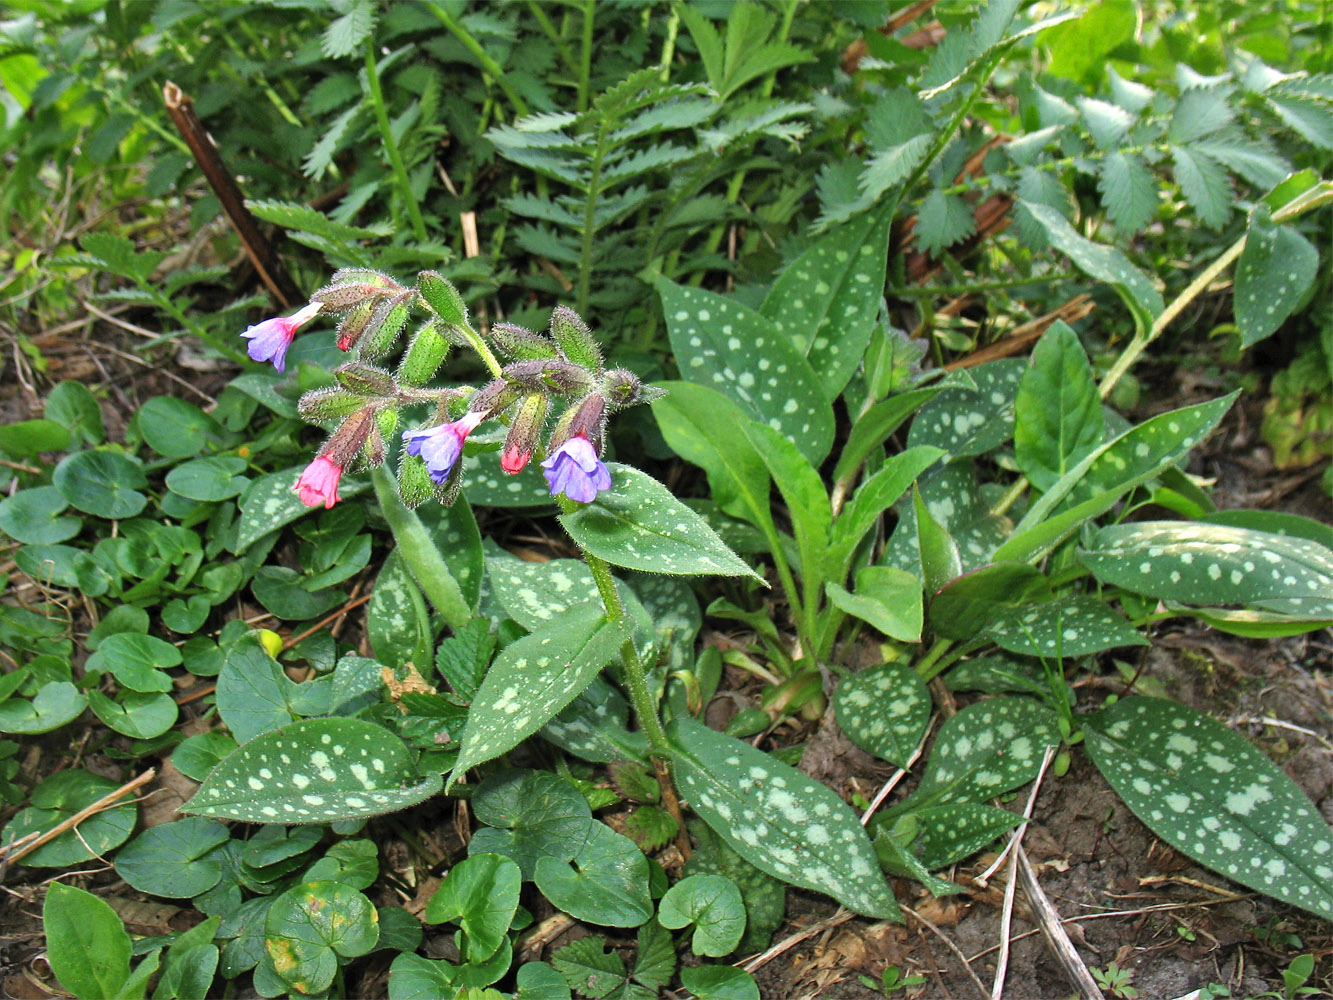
x: 513, y: 459
x: 319, y: 483
x: 575, y: 470
x: 270, y: 339
x: 442, y: 446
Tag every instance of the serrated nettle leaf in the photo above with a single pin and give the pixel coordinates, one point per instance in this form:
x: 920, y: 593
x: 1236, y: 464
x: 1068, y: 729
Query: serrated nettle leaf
x: 738, y: 479
x: 606, y: 883
x: 1107, y: 123
x: 1208, y: 792
x: 714, y: 905
x: 640, y: 525
x: 985, y: 750
x: 1129, y: 191
x: 886, y: 597
x: 1058, y: 417
x: 884, y: 710
x: 1070, y: 626
x: 969, y: 603
x: 1275, y: 270
x: 588, y: 967
x: 826, y: 300
x: 1204, y: 184
x: 480, y: 894
x: 721, y: 344
x: 1101, y: 262
x: 963, y: 422
x: 891, y: 166
x: 314, y: 771
x: 1199, y: 563
x: 534, y: 678
x: 777, y: 818
x: 942, y: 221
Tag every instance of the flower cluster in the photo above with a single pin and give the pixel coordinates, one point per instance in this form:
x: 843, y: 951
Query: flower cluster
x: 374, y: 310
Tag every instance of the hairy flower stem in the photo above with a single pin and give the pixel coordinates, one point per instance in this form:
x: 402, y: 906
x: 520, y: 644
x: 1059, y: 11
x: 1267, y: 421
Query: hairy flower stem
x: 417, y: 549
x: 391, y: 145
x: 636, y: 680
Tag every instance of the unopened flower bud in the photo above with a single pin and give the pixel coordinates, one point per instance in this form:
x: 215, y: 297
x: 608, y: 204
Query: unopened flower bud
x: 586, y: 418
x: 517, y: 342
x: 574, y: 339
x: 367, y: 380
x: 524, y: 431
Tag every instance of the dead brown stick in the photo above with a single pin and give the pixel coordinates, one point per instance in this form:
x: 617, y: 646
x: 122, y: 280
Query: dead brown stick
x: 102, y: 804
x: 260, y: 251
x: 1053, y: 930
x: 787, y: 943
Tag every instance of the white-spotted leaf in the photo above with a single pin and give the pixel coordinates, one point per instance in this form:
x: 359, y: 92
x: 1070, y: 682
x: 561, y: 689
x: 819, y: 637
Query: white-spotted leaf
x: 314, y: 771
x: 1208, y: 792
x: 826, y: 300
x: 271, y: 502
x: 722, y: 344
x: 534, y: 678
x: 884, y: 710
x: 950, y: 832
x: 1215, y: 564
x: 985, y: 750
x: 963, y: 422
x: 1274, y: 272
x: 1070, y: 626
x: 639, y: 524
x: 777, y: 818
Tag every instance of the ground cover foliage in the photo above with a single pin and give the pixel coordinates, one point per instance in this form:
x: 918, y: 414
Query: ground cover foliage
x: 906, y: 256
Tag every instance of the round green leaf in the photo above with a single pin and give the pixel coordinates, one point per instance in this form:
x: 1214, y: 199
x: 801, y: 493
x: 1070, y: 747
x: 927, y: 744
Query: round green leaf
x: 607, y: 883
x: 57, y: 703
x: 175, y: 428
x: 104, y: 483
x: 279, y: 590
x: 480, y: 894
x: 310, y: 925
x: 719, y: 982
x: 57, y: 799
x: 208, y: 479
x: 714, y: 905
x: 73, y: 406
x: 199, y: 754
x: 141, y: 716
x: 412, y: 977
x: 32, y: 517
x: 173, y: 859
x: 32, y: 437
x: 530, y: 815
x: 137, y: 661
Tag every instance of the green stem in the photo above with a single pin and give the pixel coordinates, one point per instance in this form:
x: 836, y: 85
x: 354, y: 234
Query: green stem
x: 488, y: 64
x: 585, y: 58
x: 929, y: 665
x: 589, y: 222
x: 391, y: 146
x: 554, y: 35
x: 416, y: 548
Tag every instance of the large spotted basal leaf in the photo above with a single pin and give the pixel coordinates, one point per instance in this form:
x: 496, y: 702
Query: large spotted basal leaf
x: 486, y: 485
x: 595, y: 726
x: 314, y: 771
x: 1209, y: 793
x: 721, y: 344
x: 826, y: 300
x: 985, y: 750
x: 534, y: 678
x: 1071, y: 626
x: 963, y: 422
x: 640, y: 525
x: 1275, y: 270
x: 776, y: 818
x: 271, y: 502
x: 952, y: 831
x: 1216, y: 564
x: 884, y: 710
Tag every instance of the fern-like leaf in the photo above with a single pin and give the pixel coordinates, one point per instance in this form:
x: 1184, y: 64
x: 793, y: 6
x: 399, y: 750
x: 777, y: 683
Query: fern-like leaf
x: 1107, y: 123
x: 1204, y: 184
x: 1129, y: 192
x: 345, y: 35
x: 1200, y: 111
x: 942, y: 221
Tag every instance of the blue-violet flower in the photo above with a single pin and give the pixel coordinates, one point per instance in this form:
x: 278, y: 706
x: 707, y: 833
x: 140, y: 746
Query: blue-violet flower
x: 441, y: 446
x: 575, y: 470
x: 270, y: 339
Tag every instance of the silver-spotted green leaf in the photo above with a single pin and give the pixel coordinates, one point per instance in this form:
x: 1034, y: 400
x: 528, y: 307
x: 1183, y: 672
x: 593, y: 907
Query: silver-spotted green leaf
x: 1070, y: 626
x: 1057, y: 414
x: 535, y: 593
x: 779, y: 820
x: 606, y: 883
x: 826, y: 300
x: 314, y: 771
x: 970, y: 602
x: 310, y: 925
x: 639, y: 524
x: 1275, y: 270
x: 534, y: 678
x: 1215, y: 564
x: 595, y: 726
x: 1208, y: 792
x: 271, y: 502
x: 985, y: 750
x: 884, y: 710
x: 714, y: 905
x: 530, y: 815
x: 963, y: 422
x: 1101, y: 262
x: 485, y: 484
x: 674, y: 611
x: 480, y: 894
x: 722, y: 344
x: 397, y: 622
x: 952, y: 831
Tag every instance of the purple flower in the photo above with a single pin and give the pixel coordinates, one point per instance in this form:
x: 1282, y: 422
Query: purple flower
x: 575, y: 470
x: 441, y: 446
x: 270, y: 339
